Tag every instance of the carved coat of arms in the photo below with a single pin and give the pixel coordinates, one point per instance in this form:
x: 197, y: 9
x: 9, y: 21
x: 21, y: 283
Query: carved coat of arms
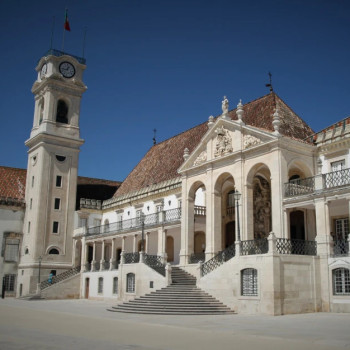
x: 223, y: 143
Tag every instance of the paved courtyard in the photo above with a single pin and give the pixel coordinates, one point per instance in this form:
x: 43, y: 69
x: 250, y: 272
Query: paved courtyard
x: 82, y: 324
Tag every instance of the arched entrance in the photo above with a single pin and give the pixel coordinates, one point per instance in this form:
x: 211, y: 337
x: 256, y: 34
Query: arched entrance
x: 230, y: 234
x: 170, y: 248
x: 199, y: 242
x: 297, y: 225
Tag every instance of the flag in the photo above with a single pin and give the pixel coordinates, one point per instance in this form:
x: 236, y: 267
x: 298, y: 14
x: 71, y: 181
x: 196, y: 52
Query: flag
x: 66, y: 22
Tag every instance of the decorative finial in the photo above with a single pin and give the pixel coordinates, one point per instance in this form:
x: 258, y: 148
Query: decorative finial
x: 224, y: 106
x: 276, y: 123
x: 154, y: 137
x: 186, y: 154
x: 270, y: 85
x: 210, y: 121
x: 240, y: 112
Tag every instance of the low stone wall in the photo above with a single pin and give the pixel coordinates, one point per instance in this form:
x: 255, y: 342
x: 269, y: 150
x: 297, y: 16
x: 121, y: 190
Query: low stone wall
x: 67, y: 289
x: 286, y: 284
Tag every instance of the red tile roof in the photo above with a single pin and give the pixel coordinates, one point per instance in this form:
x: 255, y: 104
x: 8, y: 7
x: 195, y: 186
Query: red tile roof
x: 12, y: 183
x: 162, y: 161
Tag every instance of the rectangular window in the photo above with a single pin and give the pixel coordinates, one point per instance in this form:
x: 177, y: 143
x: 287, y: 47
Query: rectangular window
x: 341, y: 281
x: 57, y: 203
x: 130, y: 283
x: 58, y: 181
x: 11, y: 250
x: 55, y: 227
x: 83, y: 222
x: 32, y: 181
x: 10, y: 283
x: 341, y: 229
x: 31, y: 203
x: 339, y: 165
x: 28, y: 226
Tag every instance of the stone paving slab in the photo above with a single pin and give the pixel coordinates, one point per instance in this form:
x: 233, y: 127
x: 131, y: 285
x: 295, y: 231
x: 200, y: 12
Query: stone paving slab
x: 85, y: 324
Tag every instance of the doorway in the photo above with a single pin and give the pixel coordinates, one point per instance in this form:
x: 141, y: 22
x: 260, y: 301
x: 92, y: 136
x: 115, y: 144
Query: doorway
x: 230, y: 234
x: 297, y: 225
x: 87, y: 287
x: 170, y: 248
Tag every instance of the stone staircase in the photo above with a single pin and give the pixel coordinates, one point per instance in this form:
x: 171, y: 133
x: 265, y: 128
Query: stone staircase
x: 182, y: 297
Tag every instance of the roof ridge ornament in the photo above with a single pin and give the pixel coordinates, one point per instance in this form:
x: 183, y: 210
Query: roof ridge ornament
x: 240, y: 112
x: 276, y: 123
x: 210, y: 121
x: 224, y: 106
x: 186, y: 153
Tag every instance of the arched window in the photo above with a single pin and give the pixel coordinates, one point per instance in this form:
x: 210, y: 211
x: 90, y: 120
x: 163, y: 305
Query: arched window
x: 294, y: 177
x: 62, y: 112
x: 53, y: 251
x: 249, y: 282
x: 26, y: 251
x: 115, y: 285
x: 130, y: 283
x: 341, y: 281
x: 100, y: 285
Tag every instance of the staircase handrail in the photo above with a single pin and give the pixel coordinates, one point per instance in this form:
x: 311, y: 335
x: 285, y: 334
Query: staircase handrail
x: 155, y: 262
x: 62, y: 276
x: 218, y: 260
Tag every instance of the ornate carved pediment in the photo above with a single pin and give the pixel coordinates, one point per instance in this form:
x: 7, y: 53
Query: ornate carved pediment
x: 201, y: 158
x: 250, y: 141
x: 223, y: 142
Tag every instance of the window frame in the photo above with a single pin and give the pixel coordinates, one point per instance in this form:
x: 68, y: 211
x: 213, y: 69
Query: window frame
x: 249, y: 282
x: 100, y: 285
x: 342, y: 281
x: 55, y: 226
x: 115, y: 285
x: 130, y: 283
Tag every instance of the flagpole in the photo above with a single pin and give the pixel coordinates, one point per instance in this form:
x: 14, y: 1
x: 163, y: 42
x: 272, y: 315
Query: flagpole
x: 64, y: 31
x: 84, y: 41
x: 52, y: 29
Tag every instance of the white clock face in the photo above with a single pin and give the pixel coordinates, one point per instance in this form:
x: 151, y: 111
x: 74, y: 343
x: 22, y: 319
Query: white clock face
x: 67, y: 69
x: 43, y: 70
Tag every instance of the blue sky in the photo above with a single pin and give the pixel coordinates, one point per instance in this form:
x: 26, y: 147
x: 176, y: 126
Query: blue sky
x: 167, y: 65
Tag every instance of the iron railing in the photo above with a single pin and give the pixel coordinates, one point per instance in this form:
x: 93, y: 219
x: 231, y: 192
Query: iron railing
x: 105, y: 265
x: 87, y: 266
x: 59, y: 53
x: 62, y: 276
x: 230, y: 211
x: 97, y: 266
x: 131, y: 258
x: 340, y: 247
x: 155, y: 262
x: 336, y: 178
x: 296, y: 246
x: 196, y: 258
x: 299, y: 187
x: 135, y: 223
x: 218, y: 260
x: 254, y: 246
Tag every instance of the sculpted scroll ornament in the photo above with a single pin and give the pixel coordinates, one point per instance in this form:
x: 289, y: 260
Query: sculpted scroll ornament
x: 201, y: 158
x: 223, y: 143
x: 250, y: 141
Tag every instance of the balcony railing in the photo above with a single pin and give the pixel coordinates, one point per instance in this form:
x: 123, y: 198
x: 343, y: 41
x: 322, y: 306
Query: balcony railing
x: 196, y: 258
x: 136, y: 223
x: 131, y: 258
x: 296, y: 246
x: 199, y: 210
x: 341, y: 247
x: 299, y: 187
x: 254, y: 246
x: 321, y: 182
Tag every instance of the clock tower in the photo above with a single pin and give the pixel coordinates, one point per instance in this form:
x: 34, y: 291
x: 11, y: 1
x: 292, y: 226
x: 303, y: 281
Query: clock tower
x: 51, y: 184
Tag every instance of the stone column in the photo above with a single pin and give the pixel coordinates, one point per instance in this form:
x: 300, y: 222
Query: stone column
x: 249, y: 217
x: 276, y: 204
x: 162, y: 243
x: 93, y: 262
x: 285, y: 233
x: 112, y: 261
x: 83, y: 255
x: 123, y: 243
x: 102, y: 255
x: 323, y: 239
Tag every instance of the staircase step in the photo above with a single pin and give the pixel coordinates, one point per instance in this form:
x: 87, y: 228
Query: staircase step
x: 181, y: 297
